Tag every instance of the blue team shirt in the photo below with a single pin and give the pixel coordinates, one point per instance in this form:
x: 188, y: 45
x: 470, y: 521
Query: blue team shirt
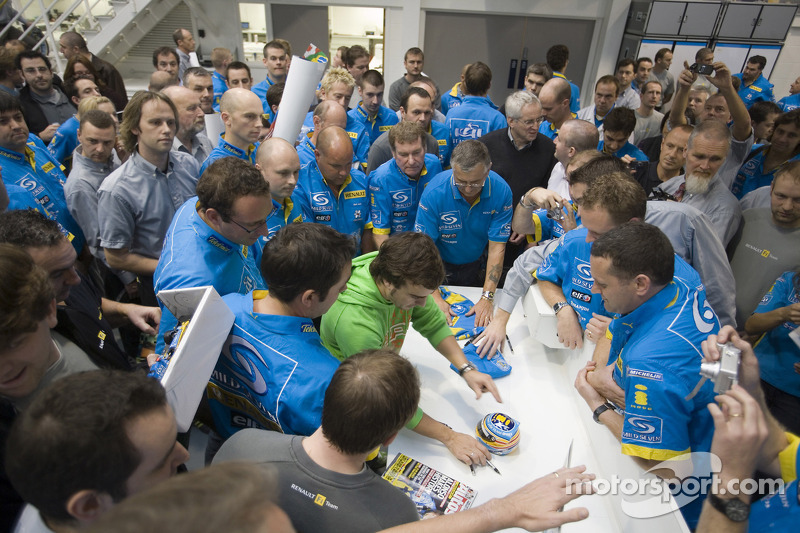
x: 568, y: 267
x: 64, y: 142
x: 272, y: 373
x: 776, y: 352
x: 261, y: 91
x: 347, y: 212
x: 780, y: 511
x: 305, y: 151
x: 549, y: 130
x: 473, y: 119
x: 788, y: 103
x: 758, y: 91
x: 627, y: 149
x: 460, y: 230
x: 282, y: 215
x: 394, y: 197
x: 441, y: 133
x: 383, y: 122
x: 656, y: 354
x: 574, y: 93
x: 38, y: 173
x: 452, y: 98
x: 225, y: 149
x: 220, y: 86
x: 358, y: 135
x: 20, y: 199
x: 546, y: 228
x: 751, y: 175
x: 195, y: 255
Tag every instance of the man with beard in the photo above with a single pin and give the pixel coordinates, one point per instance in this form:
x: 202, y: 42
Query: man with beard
x: 700, y: 186
x: 755, y: 87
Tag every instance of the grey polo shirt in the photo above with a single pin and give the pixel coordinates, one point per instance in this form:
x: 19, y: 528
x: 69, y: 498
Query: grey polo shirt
x: 137, y: 201
x: 201, y: 147
x: 56, y: 107
x: 80, y: 190
x: 718, y: 204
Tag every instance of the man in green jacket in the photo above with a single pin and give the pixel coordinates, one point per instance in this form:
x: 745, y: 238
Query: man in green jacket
x: 387, y: 291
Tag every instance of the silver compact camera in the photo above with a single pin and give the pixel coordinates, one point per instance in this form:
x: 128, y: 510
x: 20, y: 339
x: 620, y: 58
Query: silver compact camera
x: 725, y: 372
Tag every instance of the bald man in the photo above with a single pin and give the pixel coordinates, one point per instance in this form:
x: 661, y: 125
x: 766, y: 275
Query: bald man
x: 554, y: 96
x: 279, y: 164
x: 241, y: 114
x: 327, y: 113
x: 332, y: 193
x: 190, y: 138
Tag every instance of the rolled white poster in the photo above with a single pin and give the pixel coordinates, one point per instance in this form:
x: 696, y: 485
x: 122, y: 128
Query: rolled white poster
x: 302, y: 81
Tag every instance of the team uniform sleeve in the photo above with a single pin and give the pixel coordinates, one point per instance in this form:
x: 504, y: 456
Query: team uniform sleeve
x: 380, y: 207
x: 554, y: 266
x: 500, y: 226
x: 426, y: 217
x: 301, y: 197
x: 777, y: 296
x: 657, y: 418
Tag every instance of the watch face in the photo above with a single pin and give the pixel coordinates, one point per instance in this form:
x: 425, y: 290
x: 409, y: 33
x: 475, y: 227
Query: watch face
x: 737, y: 510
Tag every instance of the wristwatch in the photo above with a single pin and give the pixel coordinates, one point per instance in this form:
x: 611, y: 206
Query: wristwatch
x: 489, y: 295
x: 558, y: 306
x: 525, y: 205
x: 735, y: 509
x: 600, y: 410
x: 466, y: 367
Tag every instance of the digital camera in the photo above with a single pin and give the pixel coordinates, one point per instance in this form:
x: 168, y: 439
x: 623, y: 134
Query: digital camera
x: 725, y: 372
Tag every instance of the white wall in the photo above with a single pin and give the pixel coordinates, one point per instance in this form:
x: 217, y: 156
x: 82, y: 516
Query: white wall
x: 787, y: 68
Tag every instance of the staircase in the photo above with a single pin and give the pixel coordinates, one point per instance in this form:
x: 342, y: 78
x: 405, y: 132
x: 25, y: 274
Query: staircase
x: 112, y: 28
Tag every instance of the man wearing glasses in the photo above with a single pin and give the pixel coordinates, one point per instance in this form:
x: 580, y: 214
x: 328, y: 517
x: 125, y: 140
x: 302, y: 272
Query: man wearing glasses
x: 467, y: 212
x: 212, y: 238
x: 522, y: 156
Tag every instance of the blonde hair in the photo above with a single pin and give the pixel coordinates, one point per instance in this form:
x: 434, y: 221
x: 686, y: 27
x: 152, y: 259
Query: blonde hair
x: 337, y: 75
x: 92, y: 102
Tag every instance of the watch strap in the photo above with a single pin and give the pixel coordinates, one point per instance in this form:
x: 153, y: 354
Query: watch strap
x: 734, y: 509
x: 600, y: 410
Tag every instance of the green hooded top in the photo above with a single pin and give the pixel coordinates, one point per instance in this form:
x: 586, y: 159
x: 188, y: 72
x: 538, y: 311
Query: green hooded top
x: 363, y: 319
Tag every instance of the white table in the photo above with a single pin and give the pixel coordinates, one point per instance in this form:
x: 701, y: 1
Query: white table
x: 539, y: 393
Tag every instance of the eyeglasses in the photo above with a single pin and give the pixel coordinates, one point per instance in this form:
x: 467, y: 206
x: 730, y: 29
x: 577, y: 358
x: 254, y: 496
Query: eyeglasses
x: 531, y: 122
x: 257, y: 228
x: 469, y: 186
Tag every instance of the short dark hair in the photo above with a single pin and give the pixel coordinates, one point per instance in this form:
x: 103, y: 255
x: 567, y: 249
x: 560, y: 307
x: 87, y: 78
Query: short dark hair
x: 275, y: 43
x: 702, y: 53
x: 411, y: 258
x: 371, y: 396
x: 620, y: 119
x: 469, y: 154
x: 26, y: 295
x: 373, y: 77
x: 761, y: 61
x: 164, y: 51
x: 133, y: 115
x: 608, y: 79
x: 305, y: 256
x: 177, y: 35
x: 31, y: 54
x: 598, y: 164
x: 414, y: 51
x: 624, y: 62
x: 642, y: 60
x: 618, y: 194
x: 72, y: 38
x: 28, y: 228
x: 226, y: 180
x: 415, y: 91
x: 478, y: 78
x: 70, y: 88
x: 98, y: 119
x: 661, y: 53
x: 557, y: 57
x: 635, y: 248
x: 761, y: 110
x: 540, y: 69
x: 275, y: 94
x: 354, y: 53
x: 200, y: 72
x: 73, y: 437
x: 9, y: 102
x: 238, y: 65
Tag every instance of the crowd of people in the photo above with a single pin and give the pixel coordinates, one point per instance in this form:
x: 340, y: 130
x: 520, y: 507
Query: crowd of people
x: 658, y: 221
